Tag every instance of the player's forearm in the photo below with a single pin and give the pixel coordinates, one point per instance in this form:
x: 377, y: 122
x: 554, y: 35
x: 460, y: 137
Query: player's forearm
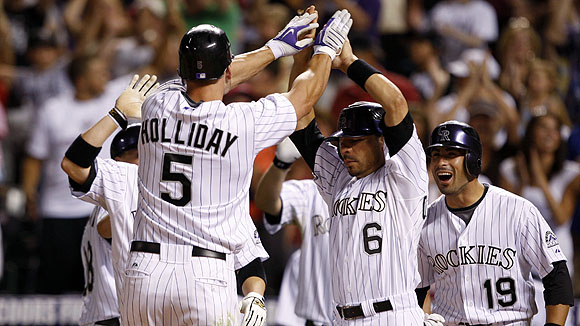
x: 254, y: 284
x: 267, y: 196
x: 557, y: 314
x: 389, y: 96
x: 309, y: 85
x: 246, y: 65
x: 94, y: 137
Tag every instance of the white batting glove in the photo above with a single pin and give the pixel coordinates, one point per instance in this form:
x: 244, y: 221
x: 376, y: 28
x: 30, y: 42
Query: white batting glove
x: 254, y: 309
x: 287, y: 41
x: 331, y: 38
x: 129, y: 102
x: 434, y: 320
x: 287, y: 152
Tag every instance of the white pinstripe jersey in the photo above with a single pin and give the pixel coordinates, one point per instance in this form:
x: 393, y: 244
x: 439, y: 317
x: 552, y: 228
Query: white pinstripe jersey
x: 99, y: 295
x: 301, y: 202
x: 115, y: 189
x: 375, y: 224
x: 482, y: 270
x: 196, y: 165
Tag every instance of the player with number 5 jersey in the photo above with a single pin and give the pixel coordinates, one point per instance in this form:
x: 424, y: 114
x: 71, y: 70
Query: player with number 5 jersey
x: 480, y: 243
x: 196, y: 166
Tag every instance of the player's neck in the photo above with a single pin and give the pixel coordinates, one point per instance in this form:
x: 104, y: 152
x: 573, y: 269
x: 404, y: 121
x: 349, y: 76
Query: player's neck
x: 206, y: 91
x: 467, y: 196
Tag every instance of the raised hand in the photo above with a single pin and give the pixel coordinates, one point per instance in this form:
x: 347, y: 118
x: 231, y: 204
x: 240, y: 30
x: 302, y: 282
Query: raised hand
x: 129, y: 102
x: 289, y: 40
x: 331, y: 38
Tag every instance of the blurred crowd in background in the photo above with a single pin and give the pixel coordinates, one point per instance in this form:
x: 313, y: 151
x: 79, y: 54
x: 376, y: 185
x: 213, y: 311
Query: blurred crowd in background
x: 510, y: 68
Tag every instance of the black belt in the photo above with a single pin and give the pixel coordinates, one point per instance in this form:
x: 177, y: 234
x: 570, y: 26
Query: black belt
x: 109, y: 322
x: 155, y: 248
x: 353, y: 312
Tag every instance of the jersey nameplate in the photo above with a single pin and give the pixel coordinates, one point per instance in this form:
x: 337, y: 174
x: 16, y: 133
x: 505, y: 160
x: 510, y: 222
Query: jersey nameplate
x: 470, y: 255
x: 198, y: 135
x: 366, y: 202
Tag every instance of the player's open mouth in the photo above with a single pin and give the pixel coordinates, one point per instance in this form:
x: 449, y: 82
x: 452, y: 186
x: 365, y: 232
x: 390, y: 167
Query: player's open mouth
x: 444, y: 176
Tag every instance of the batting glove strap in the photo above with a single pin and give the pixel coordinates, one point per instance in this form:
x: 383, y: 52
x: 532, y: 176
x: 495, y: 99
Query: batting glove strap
x: 287, y: 42
x: 331, y: 38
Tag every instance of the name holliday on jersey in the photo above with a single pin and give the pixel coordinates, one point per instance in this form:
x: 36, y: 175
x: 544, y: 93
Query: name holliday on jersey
x: 366, y: 202
x: 197, y: 135
x: 486, y: 255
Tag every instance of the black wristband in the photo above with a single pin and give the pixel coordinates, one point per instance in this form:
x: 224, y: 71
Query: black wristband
x: 551, y: 324
x: 82, y: 153
x: 359, y: 71
x: 119, y: 118
x: 281, y: 165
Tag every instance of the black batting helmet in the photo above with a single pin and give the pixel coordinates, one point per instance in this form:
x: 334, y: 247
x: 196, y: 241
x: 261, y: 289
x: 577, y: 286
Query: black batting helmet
x: 125, y: 140
x: 460, y: 135
x: 204, y: 53
x: 360, y: 119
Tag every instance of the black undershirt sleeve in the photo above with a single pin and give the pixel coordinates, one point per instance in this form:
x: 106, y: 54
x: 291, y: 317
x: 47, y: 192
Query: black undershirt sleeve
x: 307, y: 141
x: 397, y: 136
x: 274, y: 219
x: 254, y: 268
x: 558, y: 285
x: 421, y: 295
x: 85, y: 187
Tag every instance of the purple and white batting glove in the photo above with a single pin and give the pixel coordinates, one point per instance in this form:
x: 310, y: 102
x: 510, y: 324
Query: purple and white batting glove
x: 434, y: 320
x: 254, y: 309
x: 286, y: 42
x: 331, y: 38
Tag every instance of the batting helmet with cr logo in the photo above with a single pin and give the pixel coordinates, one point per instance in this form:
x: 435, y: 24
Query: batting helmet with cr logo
x: 460, y: 135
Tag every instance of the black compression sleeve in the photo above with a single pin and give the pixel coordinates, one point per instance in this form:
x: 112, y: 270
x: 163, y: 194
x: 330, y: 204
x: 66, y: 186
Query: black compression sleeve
x: 421, y: 295
x: 307, y: 141
x: 254, y: 268
x: 274, y: 219
x: 397, y: 136
x: 82, y: 153
x: 558, y: 285
x: 85, y: 187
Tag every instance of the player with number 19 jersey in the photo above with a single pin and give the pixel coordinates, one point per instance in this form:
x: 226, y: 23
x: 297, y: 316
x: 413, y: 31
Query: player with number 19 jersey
x: 196, y: 164
x: 482, y: 270
x: 375, y: 225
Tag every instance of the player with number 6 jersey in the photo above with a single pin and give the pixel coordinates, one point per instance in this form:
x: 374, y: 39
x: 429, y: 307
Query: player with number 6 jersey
x: 480, y: 243
x: 372, y: 175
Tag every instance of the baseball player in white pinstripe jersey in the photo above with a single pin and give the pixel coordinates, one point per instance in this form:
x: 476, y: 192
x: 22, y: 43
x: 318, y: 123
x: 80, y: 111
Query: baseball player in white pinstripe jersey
x: 299, y: 201
x: 114, y: 186
x: 480, y: 243
x: 374, y: 181
x: 99, y: 295
x: 197, y: 155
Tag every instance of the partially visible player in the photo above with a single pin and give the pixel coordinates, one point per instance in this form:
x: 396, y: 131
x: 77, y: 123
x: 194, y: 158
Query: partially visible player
x: 100, y: 304
x: 480, y: 243
x: 372, y: 175
x: 113, y: 185
x: 298, y: 201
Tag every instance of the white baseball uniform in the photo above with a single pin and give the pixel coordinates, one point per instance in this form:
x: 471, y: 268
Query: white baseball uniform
x: 374, y: 232
x: 482, y: 270
x: 99, y: 294
x: 285, y: 315
x: 115, y: 189
x: 301, y: 202
x: 194, y: 175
